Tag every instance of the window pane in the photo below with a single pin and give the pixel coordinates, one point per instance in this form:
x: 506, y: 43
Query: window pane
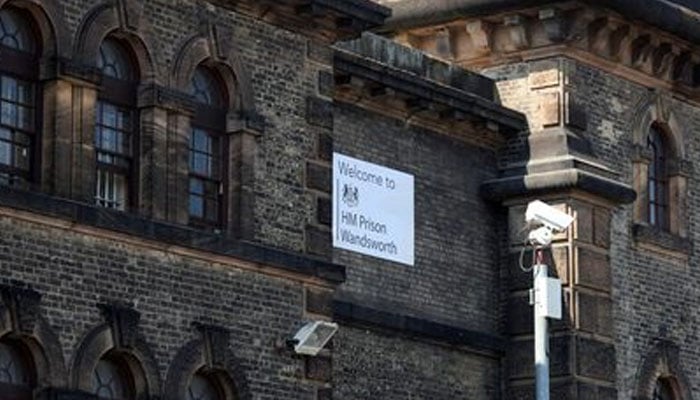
x: 24, y: 93
x: 113, y: 61
x: 5, y: 153
x: 201, y: 388
x: 108, y: 381
x: 205, y: 88
x: 25, y: 118
x: 196, y: 206
x: 15, y: 32
x: 9, y: 114
x: 201, y: 141
x: 196, y: 186
x: 201, y: 164
x: 111, y: 189
x: 9, y: 88
x: 12, y: 368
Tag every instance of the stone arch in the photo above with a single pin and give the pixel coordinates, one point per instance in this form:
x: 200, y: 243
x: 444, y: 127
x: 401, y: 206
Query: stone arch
x: 117, y: 337
x: 201, y: 49
x: 111, y: 19
x: 21, y: 320
x: 50, y: 21
x: 662, y: 361
x: 655, y: 109
x: 197, y: 355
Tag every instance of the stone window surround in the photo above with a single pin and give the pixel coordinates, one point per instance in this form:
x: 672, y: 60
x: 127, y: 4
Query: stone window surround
x: 661, y: 362
x: 655, y: 111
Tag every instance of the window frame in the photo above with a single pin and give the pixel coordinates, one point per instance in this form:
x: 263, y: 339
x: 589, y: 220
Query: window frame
x: 210, y: 118
x: 122, y: 94
x: 25, y: 391
x: 124, y: 373
x: 24, y: 66
x: 659, y: 179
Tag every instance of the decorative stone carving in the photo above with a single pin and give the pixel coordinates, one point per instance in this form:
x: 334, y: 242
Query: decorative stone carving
x: 576, y: 30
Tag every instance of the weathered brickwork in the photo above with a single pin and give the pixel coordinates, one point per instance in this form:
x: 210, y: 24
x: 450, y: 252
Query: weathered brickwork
x: 74, y: 272
x: 455, y: 279
x: 402, y: 368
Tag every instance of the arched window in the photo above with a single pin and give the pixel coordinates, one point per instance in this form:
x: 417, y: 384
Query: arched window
x: 207, y: 159
x: 115, y: 127
x: 203, y: 388
x: 658, y: 184
x: 663, y: 390
x: 111, y: 381
x: 18, y: 98
x: 16, y: 371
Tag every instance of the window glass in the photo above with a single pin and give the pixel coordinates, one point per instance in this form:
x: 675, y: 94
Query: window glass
x: 205, y: 88
x: 16, y: 129
x: 113, y: 61
x: 15, y: 31
x: 657, y: 186
x: 202, y: 388
x: 108, y: 381
x: 12, y: 369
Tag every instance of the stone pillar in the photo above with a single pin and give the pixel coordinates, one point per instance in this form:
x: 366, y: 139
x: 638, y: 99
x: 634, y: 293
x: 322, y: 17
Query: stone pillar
x: 243, y: 145
x: 178, y: 133
x: 68, y: 152
x: 152, y: 158
x: 582, y: 352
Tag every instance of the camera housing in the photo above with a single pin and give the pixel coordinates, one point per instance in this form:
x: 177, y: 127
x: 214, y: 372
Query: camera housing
x: 540, y: 213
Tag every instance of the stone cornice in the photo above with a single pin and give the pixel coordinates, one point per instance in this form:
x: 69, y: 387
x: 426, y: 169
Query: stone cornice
x: 373, y: 69
x: 637, y: 51
x: 327, y: 20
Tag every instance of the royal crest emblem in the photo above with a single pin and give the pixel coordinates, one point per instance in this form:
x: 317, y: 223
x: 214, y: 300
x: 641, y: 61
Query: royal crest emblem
x: 351, y: 195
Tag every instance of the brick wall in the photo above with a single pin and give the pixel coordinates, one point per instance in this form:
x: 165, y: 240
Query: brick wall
x: 454, y: 278
x: 74, y: 271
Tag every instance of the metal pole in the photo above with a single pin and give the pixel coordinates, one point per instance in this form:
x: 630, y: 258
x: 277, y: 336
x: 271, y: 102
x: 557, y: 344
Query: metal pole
x: 539, y: 271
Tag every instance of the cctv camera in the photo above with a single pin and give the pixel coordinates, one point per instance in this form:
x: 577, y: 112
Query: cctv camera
x: 539, y: 212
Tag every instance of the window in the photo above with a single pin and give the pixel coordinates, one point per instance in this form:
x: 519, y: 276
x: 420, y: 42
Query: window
x: 115, y: 126
x: 18, y: 74
x: 658, y: 182
x: 203, y: 388
x: 110, y: 381
x: 663, y: 390
x: 16, y: 378
x: 206, y: 156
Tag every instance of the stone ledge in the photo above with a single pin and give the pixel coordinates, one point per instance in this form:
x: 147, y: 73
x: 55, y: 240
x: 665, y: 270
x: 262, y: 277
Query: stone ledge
x: 532, y: 184
x: 412, y: 86
x: 657, y: 237
x: 417, y: 327
x: 164, y: 232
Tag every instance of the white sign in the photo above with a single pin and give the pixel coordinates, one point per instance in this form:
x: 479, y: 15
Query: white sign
x: 372, y: 209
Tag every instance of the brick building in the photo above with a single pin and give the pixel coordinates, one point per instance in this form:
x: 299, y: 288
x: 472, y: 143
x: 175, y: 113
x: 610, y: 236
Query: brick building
x: 165, y: 212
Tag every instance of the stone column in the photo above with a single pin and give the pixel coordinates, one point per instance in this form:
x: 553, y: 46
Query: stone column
x: 152, y: 154
x: 243, y: 136
x: 68, y: 153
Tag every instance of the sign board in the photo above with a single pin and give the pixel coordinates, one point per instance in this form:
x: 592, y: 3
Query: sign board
x: 373, y: 210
